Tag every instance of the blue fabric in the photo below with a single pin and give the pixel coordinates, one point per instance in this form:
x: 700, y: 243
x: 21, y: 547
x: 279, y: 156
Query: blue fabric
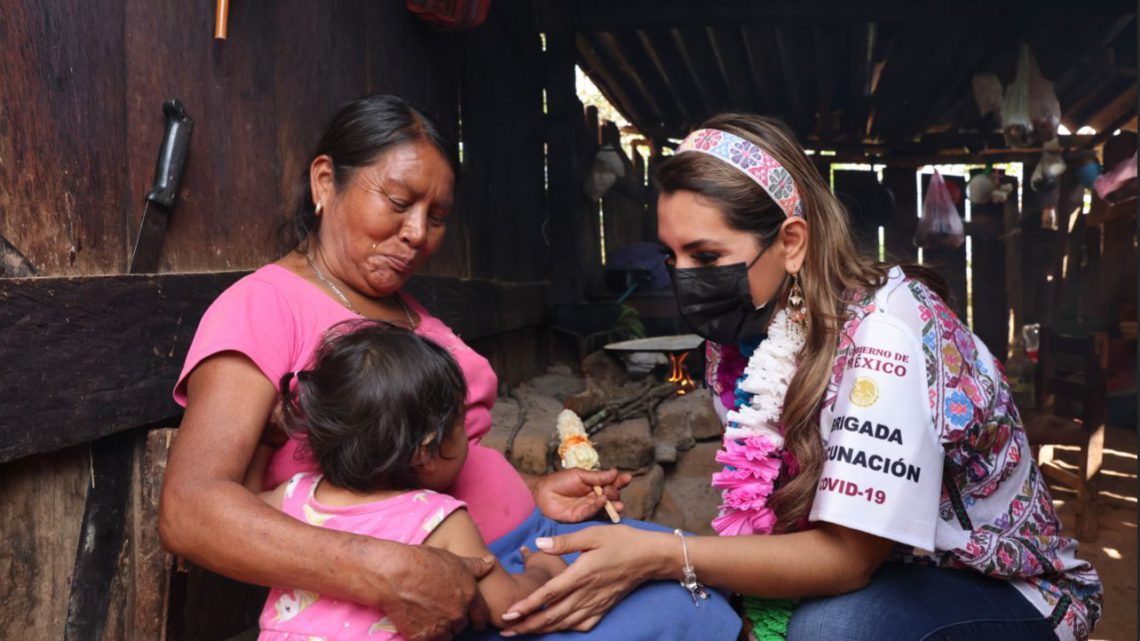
x: 907, y: 602
x: 660, y: 610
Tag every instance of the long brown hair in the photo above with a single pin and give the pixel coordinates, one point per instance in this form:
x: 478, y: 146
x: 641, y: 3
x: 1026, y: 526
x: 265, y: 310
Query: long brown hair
x: 832, y: 274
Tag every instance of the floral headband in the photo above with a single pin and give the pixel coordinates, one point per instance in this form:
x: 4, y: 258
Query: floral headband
x: 753, y: 161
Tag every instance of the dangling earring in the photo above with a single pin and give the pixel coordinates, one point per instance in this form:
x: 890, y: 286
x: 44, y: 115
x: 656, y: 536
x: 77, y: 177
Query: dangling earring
x: 796, y: 307
x: 319, y: 209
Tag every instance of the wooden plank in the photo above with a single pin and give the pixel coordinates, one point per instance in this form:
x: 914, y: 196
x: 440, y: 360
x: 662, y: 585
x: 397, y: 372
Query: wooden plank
x: 990, y: 308
x: 899, y: 232
x: 757, y: 64
x: 41, y: 499
x: 789, y: 46
x: 665, y: 76
x: 98, y: 354
x: 140, y: 594
x: 152, y: 566
x: 629, y: 75
x: 229, y: 205
x: 697, y: 74
x: 119, y: 343
x: 728, y: 53
x: 568, y: 209
x: 855, y: 189
x: 501, y: 194
x: 630, y: 14
x: 62, y: 126
x: 101, y: 537
x: 601, y: 70
x: 311, y: 56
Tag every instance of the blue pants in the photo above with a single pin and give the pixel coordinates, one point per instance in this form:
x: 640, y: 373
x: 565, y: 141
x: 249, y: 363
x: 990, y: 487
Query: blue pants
x: 659, y: 610
x: 906, y: 602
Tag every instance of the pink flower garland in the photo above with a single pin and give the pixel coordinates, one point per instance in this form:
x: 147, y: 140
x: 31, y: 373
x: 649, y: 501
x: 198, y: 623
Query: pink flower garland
x: 753, y: 451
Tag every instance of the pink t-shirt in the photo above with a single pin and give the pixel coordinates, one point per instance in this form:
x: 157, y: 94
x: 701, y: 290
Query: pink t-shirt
x: 276, y: 319
x: 293, y: 615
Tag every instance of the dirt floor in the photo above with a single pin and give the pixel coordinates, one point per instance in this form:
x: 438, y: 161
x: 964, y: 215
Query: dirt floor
x: 1113, y: 550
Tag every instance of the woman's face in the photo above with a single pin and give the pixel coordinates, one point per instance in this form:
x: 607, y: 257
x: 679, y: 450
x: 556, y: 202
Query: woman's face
x: 697, y: 235
x: 381, y: 226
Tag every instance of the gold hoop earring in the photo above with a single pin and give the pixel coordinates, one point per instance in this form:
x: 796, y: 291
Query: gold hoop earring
x: 797, y: 308
x: 320, y: 208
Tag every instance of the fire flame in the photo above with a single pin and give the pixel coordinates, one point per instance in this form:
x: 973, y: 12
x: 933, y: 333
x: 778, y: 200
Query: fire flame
x: 679, y: 375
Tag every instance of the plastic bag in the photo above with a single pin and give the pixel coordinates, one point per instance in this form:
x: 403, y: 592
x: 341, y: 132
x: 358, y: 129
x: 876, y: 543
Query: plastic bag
x: 987, y: 93
x: 607, y: 168
x: 940, y: 225
x: 1044, y: 108
x: 1015, y: 121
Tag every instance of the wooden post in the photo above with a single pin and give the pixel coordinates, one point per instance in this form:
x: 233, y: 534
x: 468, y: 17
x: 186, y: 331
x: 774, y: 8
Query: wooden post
x: 990, y: 312
x: 899, y: 233
x: 151, y: 564
x: 1014, y: 289
x: 567, y: 205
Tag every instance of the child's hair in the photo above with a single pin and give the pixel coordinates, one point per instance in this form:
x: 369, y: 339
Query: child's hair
x: 374, y: 394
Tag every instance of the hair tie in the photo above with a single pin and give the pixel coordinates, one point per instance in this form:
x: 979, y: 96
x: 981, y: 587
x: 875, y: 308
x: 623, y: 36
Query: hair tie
x: 752, y: 161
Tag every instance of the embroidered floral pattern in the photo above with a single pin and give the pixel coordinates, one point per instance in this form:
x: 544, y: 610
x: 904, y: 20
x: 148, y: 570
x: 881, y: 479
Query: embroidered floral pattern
x: 984, y: 442
x: 752, y: 161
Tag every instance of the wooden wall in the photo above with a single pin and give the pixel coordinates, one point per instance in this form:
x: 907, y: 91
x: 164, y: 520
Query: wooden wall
x: 82, y: 117
x: 80, y: 124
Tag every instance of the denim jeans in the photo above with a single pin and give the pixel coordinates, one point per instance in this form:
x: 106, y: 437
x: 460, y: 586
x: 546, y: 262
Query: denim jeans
x: 906, y: 602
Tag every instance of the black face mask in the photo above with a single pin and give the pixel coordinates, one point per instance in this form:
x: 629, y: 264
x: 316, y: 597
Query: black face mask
x: 717, y: 304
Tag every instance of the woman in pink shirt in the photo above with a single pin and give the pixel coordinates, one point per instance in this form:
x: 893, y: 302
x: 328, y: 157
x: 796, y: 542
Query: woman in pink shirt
x: 374, y: 207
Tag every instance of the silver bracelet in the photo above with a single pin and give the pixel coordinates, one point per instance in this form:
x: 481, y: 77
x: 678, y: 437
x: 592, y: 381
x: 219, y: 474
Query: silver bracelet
x: 689, y: 580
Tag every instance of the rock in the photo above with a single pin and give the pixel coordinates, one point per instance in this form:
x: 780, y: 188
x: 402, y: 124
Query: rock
x: 558, y: 382
x: 699, y: 462
x: 528, y: 453
x: 586, y: 402
x: 504, y: 418
x: 673, y: 429
x: 627, y: 445
x: 687, y: 503
x: 691, y: 414
x: 604, y: 370
x: 664, y: 452
x: 642, y: 494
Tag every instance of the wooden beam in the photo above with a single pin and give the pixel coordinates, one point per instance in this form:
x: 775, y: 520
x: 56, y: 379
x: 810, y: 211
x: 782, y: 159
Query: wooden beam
x: 631, y: 73
x: 726, y: 52
x: 799, y: 113
x: 825, y: 78
x: 1109, y: 130
x: 609, y: 15
x: 754, y: 54
x: 697, y: 72
x: 99, y: 355
x: 665, y: 75
x: 569, y: 210
x: 602, y: 74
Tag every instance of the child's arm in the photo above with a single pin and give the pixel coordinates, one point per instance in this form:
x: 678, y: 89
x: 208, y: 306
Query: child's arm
x: 458, y: 535
x: 275, y: 497
x: 255, y: 473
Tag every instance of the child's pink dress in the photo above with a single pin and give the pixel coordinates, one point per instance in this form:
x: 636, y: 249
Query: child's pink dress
x: 300, y: 615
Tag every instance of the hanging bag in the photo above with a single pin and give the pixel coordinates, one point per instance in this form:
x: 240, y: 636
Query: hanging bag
x: 940, y: 225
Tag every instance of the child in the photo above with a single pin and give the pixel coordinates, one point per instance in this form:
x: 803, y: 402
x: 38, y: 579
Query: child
x: 382, y: 415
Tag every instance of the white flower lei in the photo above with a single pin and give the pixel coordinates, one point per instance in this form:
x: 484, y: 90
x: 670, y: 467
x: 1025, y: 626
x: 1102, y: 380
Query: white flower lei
x: 769, y: 372
x: 753, y: 443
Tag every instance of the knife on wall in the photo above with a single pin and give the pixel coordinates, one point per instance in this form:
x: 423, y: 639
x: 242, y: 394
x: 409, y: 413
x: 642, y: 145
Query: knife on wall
x: 167, y: 179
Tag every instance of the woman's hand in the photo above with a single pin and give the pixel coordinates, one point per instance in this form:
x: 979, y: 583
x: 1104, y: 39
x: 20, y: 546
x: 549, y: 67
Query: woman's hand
x: 615, y: 559
x: 433, y: 593
x: 568, y: 496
